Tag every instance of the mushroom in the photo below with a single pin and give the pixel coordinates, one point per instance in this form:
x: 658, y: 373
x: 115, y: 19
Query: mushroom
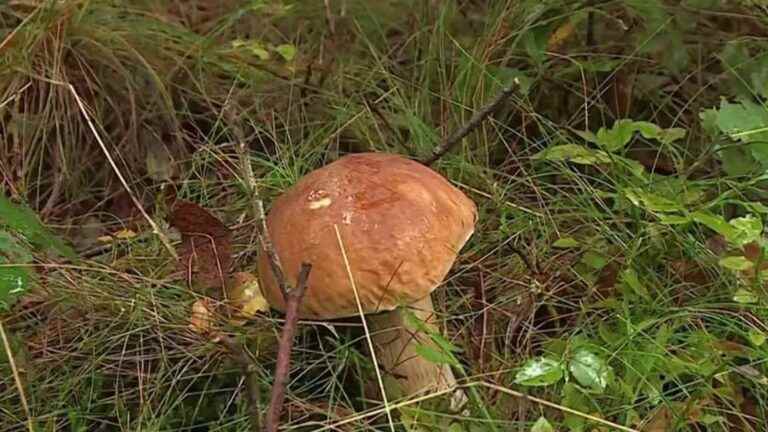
x: 401, y: 226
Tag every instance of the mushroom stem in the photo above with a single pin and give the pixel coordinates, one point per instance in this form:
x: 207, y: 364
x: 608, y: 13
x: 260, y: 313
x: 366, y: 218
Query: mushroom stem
x: 395, y: 341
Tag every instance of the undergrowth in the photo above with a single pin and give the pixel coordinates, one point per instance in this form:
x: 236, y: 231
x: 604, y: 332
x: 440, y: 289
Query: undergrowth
x: 628, y: 170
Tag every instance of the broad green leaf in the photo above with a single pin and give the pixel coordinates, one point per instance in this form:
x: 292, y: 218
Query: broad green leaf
x: 744, y: 296
x: 737, y: 263
x: 540, y: 371
x: 594, y: 260
x: 286, y: 51
x: 573, y: 153
x: 746, y: 122
x: 617, y: 137
x: 590, y: 370
x: 715, y: 223
x: 671, y: 219
x: 652, y: 202
x: 566, y: 242
x: 748, y: 228
x: 574, y: 398
x: 756, y: 337
x: 25, y: 222
x: 542, y: 425
x: 254, y: 47
x: 434, y: 355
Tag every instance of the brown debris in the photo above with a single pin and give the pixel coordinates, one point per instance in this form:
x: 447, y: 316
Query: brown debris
x: 205, y: 253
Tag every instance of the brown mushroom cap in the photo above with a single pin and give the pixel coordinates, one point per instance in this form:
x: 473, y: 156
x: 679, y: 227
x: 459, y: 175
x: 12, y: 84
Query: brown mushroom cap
x: 401, y: 223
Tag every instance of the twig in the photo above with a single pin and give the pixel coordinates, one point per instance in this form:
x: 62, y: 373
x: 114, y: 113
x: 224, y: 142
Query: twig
x: 274, y: 260
x: 240, y: 356
x: 258, y: 205
x: 293, y: 299
x: 471, y: 125
x: 16, y: 378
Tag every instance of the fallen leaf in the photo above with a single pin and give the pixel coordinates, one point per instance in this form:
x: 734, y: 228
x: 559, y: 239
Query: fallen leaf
x: 125, y: 234
x: 205, y: 253
x: 201, y: 318
x: 245, y: 297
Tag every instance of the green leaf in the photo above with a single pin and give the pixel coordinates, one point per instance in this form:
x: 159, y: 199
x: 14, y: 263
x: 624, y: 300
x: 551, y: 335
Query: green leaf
x: 574, y: 398
x: 737, y: 263
x: 743, y: 296
x: 594, y: 260
x: 590, y: 370
x: 565, y: 243
x: 715, y: 223
x: 573, y: 153
x: 616, y: 137
x: 619, y: 135
x: 670, y: 219
x: 286, y: 51
x: 254, y: 47
x: 746, y: 122
x: 542, y: 425
x: 540, y: 371
x: 25, y: 222
x: 14, y: 281
x: 756, y: 337
x: 433, y: 355
x: 748, y: 228
x: 652, y: 202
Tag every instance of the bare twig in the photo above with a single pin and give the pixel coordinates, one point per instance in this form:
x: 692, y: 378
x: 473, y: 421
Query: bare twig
x: 293, y: 299
x: 240, y: 356
x: 471, y: 125
x: 258, y: 206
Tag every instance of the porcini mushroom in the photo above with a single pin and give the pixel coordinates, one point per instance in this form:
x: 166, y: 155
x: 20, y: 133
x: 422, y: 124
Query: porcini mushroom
x: 402, y: 226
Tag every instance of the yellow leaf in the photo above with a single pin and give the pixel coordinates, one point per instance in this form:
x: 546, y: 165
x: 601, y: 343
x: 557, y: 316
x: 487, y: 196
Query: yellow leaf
x: 125, y: 234
x: 201, y: 319
x: 245, y: 297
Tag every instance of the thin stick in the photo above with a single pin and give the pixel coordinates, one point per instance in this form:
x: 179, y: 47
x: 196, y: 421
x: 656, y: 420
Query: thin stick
x: 471, y: 125
x: 103, y: 146
x: 293, y: 300
x: 365, y: 328
x: 274, y: 260
x: 16, y: 378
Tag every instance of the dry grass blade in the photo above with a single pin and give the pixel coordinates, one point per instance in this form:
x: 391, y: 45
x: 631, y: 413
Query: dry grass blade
x: 17, y: 378
x: 387, y: 408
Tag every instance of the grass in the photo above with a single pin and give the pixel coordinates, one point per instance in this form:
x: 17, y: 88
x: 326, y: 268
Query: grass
x: 627, y: 299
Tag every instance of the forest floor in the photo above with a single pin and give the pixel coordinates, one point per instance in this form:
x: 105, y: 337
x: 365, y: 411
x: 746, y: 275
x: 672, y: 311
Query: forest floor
x: 615, y: 275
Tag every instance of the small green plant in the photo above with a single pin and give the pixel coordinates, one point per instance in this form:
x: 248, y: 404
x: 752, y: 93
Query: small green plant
x: 21, y: 234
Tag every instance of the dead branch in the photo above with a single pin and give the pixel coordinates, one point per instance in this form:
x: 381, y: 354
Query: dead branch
x: 293, y: 299
x: 471, y: 125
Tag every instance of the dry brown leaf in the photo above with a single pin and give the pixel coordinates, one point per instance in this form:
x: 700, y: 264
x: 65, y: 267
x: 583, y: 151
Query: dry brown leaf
x: 205, y: 253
